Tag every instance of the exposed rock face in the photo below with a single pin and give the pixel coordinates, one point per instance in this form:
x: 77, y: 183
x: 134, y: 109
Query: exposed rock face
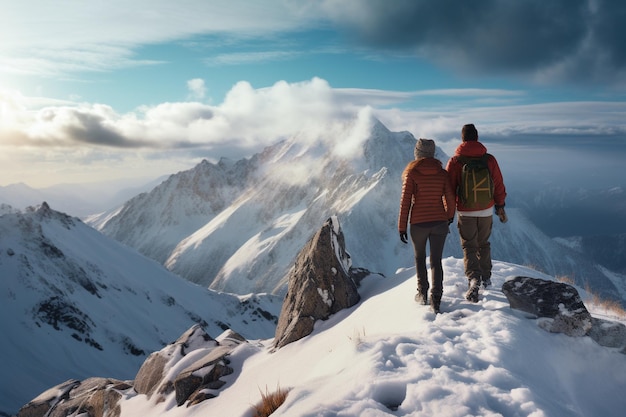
x: 558, y: 302
x: 200, y: 371
x: 201, y: 359
x: 320, y: 284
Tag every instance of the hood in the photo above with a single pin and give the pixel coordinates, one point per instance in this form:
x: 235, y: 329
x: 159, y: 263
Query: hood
x: 472, y: 148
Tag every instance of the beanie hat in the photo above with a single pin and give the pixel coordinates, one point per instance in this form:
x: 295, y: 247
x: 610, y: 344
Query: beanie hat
x: 425, y: 148
x: 469, y: 133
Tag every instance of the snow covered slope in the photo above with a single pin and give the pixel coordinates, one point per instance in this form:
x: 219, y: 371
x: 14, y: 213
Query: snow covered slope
x: 389, y: 356
x: 75, y: 303
x: 237, y: 226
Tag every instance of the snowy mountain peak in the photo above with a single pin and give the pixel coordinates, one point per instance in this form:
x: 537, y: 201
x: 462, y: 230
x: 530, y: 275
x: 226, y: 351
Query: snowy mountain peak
x: 237, y: 226
x: 70, y: 295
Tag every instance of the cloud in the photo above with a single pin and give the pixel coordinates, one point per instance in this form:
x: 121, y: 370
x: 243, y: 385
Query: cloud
x: 66, y: 36
x: 238, y: 58
x: 197, y: 89
x: 545, y: 40
x: 164, y: 136
x: 249, y: 119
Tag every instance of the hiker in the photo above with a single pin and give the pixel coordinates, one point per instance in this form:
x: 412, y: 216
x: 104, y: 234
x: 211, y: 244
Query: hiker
x: 427, y: 203
x: 475, y: 202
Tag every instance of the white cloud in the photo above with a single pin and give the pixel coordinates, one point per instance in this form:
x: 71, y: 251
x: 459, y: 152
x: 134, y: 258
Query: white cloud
x: 52, y: 135
x: 197, y: 89
x: 238, y: 58
x: 49, y: 38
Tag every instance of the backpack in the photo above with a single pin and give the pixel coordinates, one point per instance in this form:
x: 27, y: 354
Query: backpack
x: 476, y: 186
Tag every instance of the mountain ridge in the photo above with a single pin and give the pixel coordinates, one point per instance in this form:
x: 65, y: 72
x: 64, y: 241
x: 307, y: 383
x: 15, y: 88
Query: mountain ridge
x: 295, y: 185
x: 70, y: 295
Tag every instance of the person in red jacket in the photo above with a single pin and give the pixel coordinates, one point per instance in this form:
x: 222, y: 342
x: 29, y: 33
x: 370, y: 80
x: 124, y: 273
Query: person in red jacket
x: 427, y: 203
x: 475, y: 223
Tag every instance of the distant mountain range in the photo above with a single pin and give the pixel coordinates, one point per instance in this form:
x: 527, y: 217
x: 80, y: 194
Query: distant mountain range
x: 70, y: 295
x: 236, y: 226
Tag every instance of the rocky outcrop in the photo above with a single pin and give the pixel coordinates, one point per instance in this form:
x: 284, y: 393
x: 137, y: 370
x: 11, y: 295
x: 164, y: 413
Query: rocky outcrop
x: 93, y: 397
x: 201, y: 360
x: 321, y: 283
x: 557, y: 302
x: 201, y: 373
x: 562, y: 311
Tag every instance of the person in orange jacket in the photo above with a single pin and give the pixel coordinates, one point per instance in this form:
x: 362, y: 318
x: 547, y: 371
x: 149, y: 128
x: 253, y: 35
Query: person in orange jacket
x: 428, y: 204
x: 475, y: 223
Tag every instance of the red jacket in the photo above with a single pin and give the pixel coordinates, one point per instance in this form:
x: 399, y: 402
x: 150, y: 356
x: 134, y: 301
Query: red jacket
x: 476, y: 149
x: 426, y: 193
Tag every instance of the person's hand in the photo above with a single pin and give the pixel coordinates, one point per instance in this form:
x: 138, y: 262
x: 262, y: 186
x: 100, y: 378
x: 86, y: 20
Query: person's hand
x: 501, y: 214
x: 450, y: 221
x: 403, y: 237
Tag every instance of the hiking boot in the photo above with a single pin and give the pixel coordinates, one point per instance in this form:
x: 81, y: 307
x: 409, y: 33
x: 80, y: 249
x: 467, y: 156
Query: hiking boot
x: 421, y: 298
x: 435, y: 305
x: 472, y: 291
x: 486, y: 282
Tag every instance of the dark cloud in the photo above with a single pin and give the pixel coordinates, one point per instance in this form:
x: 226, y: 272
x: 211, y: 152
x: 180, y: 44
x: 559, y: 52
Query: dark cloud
x: 91, y: 128
x: 556, y: 39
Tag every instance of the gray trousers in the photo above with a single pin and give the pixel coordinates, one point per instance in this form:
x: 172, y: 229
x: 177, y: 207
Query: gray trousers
x: 434, y: 233
x: 475, y: 233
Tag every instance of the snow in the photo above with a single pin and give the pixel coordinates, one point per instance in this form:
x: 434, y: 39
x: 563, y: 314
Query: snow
x: 238, y: 228
x: 109, y: 295
x: 389, y: 356
x: 386, y: 356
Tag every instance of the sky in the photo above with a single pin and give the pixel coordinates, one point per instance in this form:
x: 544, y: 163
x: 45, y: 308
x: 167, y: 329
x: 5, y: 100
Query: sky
x: 130, y: 91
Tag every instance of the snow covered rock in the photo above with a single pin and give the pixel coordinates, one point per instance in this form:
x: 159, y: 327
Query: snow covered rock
x: 191, y: 366
x: 187, y: 371
x: 320, y: 284
x: 558, y: 304
x: 93, y: 397
x: 609, y: 333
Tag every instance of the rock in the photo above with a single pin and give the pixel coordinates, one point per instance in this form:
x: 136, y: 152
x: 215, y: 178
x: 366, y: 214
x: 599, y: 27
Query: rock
x: 558, y: 303
x: 205, y: 373
x: 320, y: 284
x: 609, y: 333
x: 202, y: 362
x: 45, y: 401
x: 93, y: 397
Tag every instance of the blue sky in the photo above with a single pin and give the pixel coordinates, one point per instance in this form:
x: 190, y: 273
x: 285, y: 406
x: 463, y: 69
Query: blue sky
x: 118, y: 90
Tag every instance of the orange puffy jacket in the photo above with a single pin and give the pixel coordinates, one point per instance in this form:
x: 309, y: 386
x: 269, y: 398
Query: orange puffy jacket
x: 427, y: 194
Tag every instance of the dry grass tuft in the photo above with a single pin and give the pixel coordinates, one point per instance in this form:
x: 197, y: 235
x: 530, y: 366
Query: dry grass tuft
x: 270, y: 402
x: 612, y: 307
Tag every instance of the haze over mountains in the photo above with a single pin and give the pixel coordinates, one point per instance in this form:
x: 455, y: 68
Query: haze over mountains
x: 236, y: 226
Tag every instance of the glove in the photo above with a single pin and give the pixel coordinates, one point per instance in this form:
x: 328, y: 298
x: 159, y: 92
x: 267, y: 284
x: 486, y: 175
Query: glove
x: 450, y: 221
x: 501, y: 214
x: 403, y: 237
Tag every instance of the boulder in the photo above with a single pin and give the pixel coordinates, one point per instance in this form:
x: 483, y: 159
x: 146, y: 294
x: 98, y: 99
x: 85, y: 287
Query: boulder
x: 202, y: 360
x: 93, y: 397
x: 205, y: 373
x: 319, y: 285
x: 607, y: 333
x: 558, y: 304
